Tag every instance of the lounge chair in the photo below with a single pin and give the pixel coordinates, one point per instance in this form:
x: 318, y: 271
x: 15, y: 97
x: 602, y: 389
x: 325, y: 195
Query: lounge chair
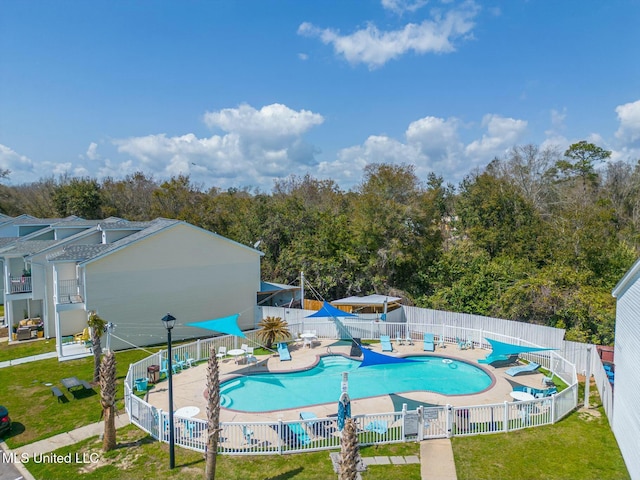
x: 293, y: 435
x: 498, y: 361
x: 377, y: 426
x: 320, y: 428
x: 283, y: 351
x: 385, y: 341
x: 528, y: 368
x: 427, y: 344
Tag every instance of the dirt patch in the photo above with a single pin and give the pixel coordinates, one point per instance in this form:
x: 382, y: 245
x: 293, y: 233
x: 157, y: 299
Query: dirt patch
x: 588, y: 414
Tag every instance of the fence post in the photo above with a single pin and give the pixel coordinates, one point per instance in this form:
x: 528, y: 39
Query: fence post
x: 553, y: 409
x: 280, y: 446
x: 449, y: 421
x: 420, y: 411
x: 505, y: 421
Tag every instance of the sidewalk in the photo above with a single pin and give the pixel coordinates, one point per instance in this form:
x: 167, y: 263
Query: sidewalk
x: 32, y: 358
x: 70, y: 438
x: 436, y: 460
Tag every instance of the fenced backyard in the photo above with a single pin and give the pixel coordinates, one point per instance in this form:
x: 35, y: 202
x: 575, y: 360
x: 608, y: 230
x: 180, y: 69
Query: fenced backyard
x: 444, y: 421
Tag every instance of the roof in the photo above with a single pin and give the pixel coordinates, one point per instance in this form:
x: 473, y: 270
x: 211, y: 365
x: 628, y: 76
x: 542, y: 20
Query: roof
x: 372, y: 300
x: 624, y: 282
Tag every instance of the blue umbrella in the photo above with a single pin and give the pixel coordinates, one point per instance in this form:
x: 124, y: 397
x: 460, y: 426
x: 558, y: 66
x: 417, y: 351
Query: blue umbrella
x: 344, y: 409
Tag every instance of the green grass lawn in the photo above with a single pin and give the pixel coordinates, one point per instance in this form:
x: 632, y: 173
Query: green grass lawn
x: 26, y: 349
x: 139, y: 456
x: 35, y: 412
x: 579, y: 447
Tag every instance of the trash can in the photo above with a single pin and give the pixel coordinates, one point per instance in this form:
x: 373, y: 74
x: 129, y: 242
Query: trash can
x: 153, y: 373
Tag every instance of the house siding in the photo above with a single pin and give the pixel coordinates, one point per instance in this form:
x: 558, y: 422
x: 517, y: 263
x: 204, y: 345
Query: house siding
x: 184, y: 270
x: 626, y: 419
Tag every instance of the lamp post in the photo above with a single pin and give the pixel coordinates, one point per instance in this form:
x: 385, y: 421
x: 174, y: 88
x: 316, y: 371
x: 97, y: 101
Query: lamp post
x: 169, y: 321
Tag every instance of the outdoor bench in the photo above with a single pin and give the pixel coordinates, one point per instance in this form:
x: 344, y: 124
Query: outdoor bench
x: 56, y: 392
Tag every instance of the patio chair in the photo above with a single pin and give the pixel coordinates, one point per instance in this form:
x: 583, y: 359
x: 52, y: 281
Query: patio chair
x: 222, y: 352
x: 399, y: 339
x: 463, y: 344
x: 164, y: 368
x: 530, y: 367
x: 385, y: 341
x: 283, y: 351
x: 82, y: 336
x: 188, y: 360
x: 409, y: 340
x: 250, y: 357
x: 179, y: 363
x: 427, y: 344
x: 244, y: 347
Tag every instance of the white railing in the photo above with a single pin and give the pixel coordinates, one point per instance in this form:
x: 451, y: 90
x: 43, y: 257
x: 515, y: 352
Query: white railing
x: 20, y: 284
x: 69, y: 291
x: 279, y: 437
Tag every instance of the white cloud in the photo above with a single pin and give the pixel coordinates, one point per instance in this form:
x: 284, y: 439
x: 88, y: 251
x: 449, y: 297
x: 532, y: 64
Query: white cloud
x: 629, y: 118
x: 21, y: 168
x: 502, y: 134
x: 374, y: 47
x: 92, y: 151
x: 401, y: 6
x: 259, y: 145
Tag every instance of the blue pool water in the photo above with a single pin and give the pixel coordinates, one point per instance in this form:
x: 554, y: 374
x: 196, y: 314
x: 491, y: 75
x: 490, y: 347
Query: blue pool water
x: 321, y: 384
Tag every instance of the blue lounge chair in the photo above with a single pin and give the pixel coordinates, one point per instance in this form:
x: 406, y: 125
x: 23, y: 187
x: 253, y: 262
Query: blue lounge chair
x: 498, y: 361
x: 428, y: 345
x: 283, y: 351
x: 299, y: 431
x: 528, y: 368
x: 385, y: 341
x: 376, y: 426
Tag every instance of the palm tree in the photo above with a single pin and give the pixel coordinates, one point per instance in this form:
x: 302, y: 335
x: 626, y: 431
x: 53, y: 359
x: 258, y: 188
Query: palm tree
x: 213, y: 414
x: 97, y: 324
x: 108, y: 399
x: 349, y: 454
x: 273, y: 329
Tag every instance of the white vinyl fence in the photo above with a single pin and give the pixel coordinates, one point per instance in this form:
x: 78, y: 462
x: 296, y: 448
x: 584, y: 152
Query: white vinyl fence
x: 279, y: 437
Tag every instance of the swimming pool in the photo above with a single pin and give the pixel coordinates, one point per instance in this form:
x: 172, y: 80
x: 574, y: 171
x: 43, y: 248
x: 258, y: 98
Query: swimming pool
x: 321, y: 384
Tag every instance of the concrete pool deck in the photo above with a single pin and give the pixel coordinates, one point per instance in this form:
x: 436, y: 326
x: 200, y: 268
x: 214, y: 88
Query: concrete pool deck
x: 189, y: 384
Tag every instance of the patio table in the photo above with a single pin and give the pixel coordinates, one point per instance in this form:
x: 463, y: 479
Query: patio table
x: 521, y: 396
x: 235, y: 353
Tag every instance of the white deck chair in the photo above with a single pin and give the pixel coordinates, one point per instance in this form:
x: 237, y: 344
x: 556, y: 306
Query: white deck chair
x: 251, y: 357
x: 222, y: 352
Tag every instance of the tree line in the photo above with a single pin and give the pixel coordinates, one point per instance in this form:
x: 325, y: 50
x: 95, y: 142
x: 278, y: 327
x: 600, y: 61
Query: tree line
x: 539, y: 236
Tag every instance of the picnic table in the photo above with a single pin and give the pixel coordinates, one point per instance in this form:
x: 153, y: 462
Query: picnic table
x: 73, y: 383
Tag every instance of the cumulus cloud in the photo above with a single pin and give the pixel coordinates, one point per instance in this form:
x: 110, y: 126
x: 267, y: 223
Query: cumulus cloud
x: 502, y: 134
x: 21, y: 168
x: 629, y: 118
x: 258, y: 145
x: 375, y: 47
x: 92, y: 151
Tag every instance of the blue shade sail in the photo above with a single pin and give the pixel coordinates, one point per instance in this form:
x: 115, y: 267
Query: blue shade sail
x: 374, y: 358
x: 328, y: 311
x: 227, y: 325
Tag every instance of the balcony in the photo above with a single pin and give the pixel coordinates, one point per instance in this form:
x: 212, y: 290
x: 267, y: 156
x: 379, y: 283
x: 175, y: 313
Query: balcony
x: 69, y: 291
x: 20, y: 284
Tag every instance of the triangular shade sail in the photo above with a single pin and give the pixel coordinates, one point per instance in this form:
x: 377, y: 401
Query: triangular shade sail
x: 328, y: 311
x: 228, y: 325
x: 501, y: 348
x: 374, y: 358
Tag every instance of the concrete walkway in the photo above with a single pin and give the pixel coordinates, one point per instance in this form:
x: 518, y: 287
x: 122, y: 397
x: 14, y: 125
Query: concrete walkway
x: 32, y: 358
x: 436, y: 460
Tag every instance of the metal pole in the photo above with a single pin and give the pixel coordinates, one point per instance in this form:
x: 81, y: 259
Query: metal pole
x: 172, y: 460
x: 302, y: 290
x: 587, y: 379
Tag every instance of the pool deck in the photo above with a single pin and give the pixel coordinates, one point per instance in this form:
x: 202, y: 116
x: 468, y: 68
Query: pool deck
x: 189, y: 385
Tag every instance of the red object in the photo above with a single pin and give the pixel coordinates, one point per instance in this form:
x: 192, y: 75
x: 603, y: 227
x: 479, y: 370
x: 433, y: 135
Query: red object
x: 605, y: 353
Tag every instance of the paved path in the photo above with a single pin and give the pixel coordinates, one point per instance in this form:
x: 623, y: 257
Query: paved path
x: 436, y: 460
x: 32, y: 358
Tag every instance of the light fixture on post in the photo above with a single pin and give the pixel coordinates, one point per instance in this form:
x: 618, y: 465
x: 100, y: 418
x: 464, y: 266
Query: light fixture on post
x: 169, y: 321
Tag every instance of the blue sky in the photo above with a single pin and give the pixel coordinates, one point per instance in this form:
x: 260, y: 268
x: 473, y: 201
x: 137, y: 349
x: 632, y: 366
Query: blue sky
x: 239, y: 93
